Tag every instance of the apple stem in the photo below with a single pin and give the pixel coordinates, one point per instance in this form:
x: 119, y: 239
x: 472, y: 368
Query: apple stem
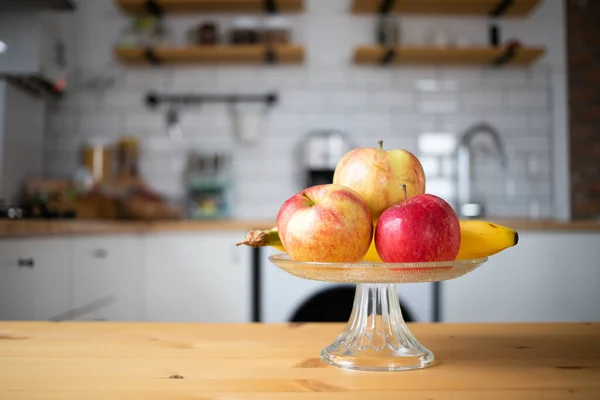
x: 380, y: 143
x: 312, y: 203
x: 405, y: 194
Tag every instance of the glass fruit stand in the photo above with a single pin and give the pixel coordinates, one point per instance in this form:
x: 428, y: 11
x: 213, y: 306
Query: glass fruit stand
x: 376, y: 337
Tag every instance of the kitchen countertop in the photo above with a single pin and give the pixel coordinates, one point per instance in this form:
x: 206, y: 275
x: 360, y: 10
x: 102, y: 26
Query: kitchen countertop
x: 101, y: 360
x: 21, y: 228
x: 27, y: 228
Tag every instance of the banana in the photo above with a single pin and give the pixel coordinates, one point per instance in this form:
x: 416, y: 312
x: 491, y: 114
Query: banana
x: 372, y: 255
x: 482, y: 239
x: 477, y: 239
x: 260, y: 238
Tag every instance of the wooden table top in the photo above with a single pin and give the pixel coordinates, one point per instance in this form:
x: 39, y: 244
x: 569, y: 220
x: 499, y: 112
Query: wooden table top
x: 99, y: 360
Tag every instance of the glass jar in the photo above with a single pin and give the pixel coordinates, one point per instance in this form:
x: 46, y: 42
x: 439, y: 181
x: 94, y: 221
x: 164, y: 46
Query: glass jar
x: 245, y: 31
x: 277, y: 31
x: 128, y: 157
x: 96, y: 159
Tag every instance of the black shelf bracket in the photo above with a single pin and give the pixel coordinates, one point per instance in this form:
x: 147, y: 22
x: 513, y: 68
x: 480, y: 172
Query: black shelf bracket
x: 501, y: 8
x: 270, y: 6
x: 153, y: 8
x: 270, y: 56
x: 154, y: 99
x: 388, y: 56
x: 494, y: 32
x: 509, y: 53
x: 151, y: 57
x: 385, y: 6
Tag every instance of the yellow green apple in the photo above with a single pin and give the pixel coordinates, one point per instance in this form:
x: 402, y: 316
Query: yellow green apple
x: 325, y: 223
x: 377, y: 176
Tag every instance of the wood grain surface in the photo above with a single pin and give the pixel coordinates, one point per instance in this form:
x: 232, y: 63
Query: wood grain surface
x: 210, y: 6
x: 36, y: 228
x: 253, y: 54
x: 45, y: 360
x: 431, y: 55
x: 518, y: 8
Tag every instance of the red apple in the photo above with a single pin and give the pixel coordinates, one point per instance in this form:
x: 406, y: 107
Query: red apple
x: 377, y: 175
x: 424, y: 228
x: 325, y: 223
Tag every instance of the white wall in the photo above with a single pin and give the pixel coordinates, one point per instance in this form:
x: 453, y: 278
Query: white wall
x: 370, y: 103
x: 21, y: 136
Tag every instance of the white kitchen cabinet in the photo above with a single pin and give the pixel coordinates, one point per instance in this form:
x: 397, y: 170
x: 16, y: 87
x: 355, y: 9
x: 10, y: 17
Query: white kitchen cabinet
x: 197, y: 277
x: 15, y: 286
x: 34, y: 279
x: 107, y: 276
x: 547, y: 277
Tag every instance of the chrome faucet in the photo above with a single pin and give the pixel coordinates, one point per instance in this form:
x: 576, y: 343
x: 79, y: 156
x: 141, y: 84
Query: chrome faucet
x: 466, y: 205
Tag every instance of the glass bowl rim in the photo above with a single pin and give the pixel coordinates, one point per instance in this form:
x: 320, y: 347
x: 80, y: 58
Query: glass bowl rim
x: 286, y: 259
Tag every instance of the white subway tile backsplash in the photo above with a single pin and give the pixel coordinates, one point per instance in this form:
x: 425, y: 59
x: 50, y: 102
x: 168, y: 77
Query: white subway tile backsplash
x: 193, y: 79
x: 62, y: 124
x: 369, y: 121
x: 60, y: 164
x: 529, y: 143
x: 79, y: 102
x: 528, y: 99
x: 390, y: 100
x: 540, y: 122
x: 328, y: 79
x: 121, y: 101
x: 483, y: 99
x: 145, y: 121
x: 303, y: 100
x: 502, y: 78
x: 142, y: 79
x: 422, y: 109
x: 428, y: 85
x: 406, y: 78
x: 449, y: 166
x: 464, y: 78
x: 506, y: 120
x: 437, y: 143
x: 539, y: 76
x: 101, y: 121
x: 369, y: 77
x: 285, y: 77
x: 431, y: 166
x: 437, y: 103
x: 444, y: 188
x: 436, y: 85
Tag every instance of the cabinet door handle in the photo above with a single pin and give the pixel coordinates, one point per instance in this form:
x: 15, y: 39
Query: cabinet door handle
x: 26, y: 262
x: 100, y: 253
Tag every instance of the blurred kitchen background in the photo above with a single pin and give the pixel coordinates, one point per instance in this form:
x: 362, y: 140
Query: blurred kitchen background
x: 140, y: 140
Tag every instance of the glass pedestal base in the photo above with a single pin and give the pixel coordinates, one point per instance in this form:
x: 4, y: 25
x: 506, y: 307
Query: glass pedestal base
x: 376, y: 337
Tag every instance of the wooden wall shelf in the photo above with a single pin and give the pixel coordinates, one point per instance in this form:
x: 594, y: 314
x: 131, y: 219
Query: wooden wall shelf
x: 209, y: 6
x: 284, y: 54
x: 516, y: 8
x: 371, y: 55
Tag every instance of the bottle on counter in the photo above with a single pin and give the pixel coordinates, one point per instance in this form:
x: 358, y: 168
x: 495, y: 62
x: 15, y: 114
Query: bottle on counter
x: 96, y: 158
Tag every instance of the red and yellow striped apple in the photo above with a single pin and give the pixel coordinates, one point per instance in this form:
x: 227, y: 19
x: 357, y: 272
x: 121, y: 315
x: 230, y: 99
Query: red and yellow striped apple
x: 377, y: 176
x: 325, y: 223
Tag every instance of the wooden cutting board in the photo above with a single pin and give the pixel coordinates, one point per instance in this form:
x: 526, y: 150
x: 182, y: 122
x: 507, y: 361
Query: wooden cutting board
x: 99, y: 360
